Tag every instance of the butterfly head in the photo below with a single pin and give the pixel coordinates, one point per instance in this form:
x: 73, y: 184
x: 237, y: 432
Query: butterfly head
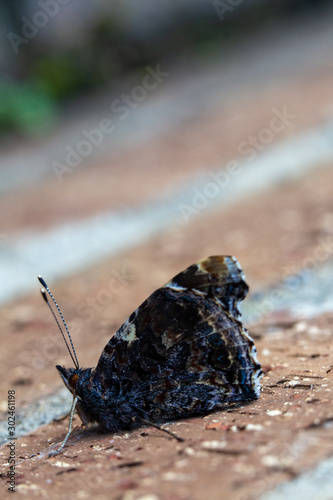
x: 70, y: 377
x: 77, y: 382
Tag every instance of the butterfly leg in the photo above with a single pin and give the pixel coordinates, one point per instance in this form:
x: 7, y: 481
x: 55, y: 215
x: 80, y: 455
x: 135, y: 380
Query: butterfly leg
x: 172, y: 434
x: 63, y: 417
x: 55, y: 452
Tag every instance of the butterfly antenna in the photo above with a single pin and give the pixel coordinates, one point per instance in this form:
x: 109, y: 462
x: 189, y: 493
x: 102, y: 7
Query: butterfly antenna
x: 44, y: 295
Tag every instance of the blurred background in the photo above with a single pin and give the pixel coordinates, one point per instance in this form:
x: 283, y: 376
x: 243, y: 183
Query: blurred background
x: 120, y: 119
x: 56, y: 52
x: 137, y: 137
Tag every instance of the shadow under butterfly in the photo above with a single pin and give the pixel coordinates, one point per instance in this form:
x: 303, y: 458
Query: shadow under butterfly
x: 183, y: 352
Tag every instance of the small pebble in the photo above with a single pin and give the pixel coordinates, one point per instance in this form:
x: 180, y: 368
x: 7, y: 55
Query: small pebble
x: 254, y: 427
x: 149, y: 497
x: 213, y: 445
x: 274, y: 413
x: 271, y: 461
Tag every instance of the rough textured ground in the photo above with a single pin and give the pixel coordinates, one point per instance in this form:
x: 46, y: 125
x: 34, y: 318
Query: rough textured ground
x: 242, y: 452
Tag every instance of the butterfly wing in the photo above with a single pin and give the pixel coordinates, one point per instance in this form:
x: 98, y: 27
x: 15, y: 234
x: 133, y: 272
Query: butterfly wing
x: 184, y: 349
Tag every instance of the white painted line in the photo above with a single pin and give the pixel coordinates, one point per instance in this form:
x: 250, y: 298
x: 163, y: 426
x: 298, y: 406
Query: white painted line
x: 73, y: 246
x: 304, y: 295
x: 38, y: 413
x: 316, y: 484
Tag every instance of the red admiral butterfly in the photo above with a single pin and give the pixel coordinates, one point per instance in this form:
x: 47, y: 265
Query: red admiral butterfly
x: 183, y: 352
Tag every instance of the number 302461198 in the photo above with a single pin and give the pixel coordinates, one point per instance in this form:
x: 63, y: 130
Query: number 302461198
x: 11, y: 412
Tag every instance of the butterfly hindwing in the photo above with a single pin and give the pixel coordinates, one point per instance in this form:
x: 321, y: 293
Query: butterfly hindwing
x: 185, y: 348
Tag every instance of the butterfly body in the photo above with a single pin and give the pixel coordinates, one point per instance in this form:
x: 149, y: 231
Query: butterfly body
x: 183, y: 352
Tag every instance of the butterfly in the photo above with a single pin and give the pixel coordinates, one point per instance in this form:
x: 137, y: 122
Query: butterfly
x: 183, y: 352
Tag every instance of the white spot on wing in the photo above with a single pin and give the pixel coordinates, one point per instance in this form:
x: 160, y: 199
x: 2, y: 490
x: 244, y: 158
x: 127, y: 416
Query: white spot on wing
x: 129, y: 333
x: 174, y: 286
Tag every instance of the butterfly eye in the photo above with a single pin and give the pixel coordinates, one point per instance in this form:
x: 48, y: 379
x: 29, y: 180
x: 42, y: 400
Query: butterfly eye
x: 73, y: 380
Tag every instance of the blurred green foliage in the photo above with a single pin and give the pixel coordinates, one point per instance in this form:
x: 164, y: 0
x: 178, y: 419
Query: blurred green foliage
x: 25, y: 108
x: 43, y: 78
